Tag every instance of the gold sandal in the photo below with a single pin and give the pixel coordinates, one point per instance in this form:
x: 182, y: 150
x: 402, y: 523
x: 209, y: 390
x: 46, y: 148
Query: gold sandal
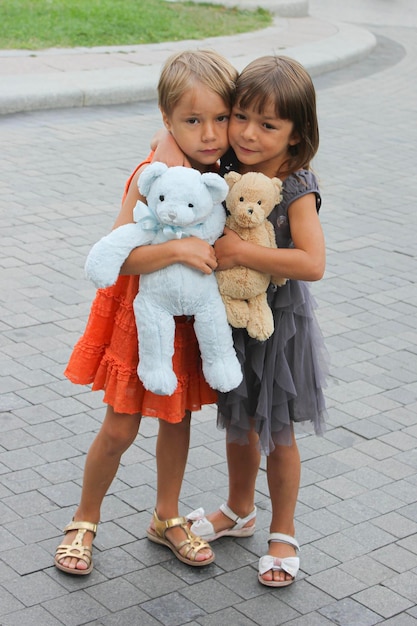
x: 194, y: 544
x: 76, y: 550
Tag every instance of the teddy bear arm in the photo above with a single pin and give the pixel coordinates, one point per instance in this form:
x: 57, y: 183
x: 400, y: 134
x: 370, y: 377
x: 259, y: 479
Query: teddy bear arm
x: 107, y: 256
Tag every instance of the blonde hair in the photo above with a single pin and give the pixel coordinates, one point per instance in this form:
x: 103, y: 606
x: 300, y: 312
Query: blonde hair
x: 183, y: 69
x: 285, y: 83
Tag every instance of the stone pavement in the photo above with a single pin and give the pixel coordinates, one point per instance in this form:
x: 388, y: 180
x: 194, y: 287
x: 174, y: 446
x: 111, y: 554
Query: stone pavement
x: 62, y: 173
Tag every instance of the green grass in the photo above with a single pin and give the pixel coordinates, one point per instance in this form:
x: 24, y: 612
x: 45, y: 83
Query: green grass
x: 38, y: 24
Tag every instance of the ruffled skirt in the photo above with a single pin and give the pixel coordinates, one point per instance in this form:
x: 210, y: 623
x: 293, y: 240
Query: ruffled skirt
x: 106, y: 356
x: 284, y: 376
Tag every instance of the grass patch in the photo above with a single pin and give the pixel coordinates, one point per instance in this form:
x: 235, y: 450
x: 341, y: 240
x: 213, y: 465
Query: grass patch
x: 38, y: 24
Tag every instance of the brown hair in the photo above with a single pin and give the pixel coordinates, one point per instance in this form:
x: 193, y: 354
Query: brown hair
x: 183, y: 69
x: 288, y: 85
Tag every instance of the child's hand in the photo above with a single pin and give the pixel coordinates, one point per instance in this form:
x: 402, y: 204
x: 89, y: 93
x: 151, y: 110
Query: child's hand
x: 227, y: 249
x: 197, y: 254
x: 166, y: 149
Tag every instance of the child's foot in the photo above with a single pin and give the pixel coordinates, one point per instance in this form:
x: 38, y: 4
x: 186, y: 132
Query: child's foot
x: 74, y: 554
x: 222, y: 523
x: 280, y: 566
x: 187, y: 546
x: 282, y: 551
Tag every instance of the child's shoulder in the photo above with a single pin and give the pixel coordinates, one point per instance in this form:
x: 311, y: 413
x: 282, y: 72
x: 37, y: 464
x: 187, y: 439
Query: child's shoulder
x: 302, y: 179
x: 301, y: 183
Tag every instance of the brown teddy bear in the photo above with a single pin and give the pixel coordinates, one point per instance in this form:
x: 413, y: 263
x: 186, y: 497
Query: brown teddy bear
x: 250, y: 200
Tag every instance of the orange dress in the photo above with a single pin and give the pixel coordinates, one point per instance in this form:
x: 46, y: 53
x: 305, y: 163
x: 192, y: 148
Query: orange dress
x: 106, y: 356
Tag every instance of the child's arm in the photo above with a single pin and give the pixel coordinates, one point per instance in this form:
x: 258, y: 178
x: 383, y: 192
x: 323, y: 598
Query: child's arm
x: 306, y: 261
x: 167, y: 150
x: 190, y: 251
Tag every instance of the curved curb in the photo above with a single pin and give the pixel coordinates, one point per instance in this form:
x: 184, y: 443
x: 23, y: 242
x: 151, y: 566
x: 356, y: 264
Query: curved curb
x: 127, y: 85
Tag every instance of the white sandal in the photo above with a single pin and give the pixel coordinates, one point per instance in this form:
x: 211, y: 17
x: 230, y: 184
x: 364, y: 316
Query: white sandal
x: 202, y: 527
x: 290, y: 564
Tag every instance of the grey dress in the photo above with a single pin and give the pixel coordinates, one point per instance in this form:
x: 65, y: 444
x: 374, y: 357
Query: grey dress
x: 284, y: 376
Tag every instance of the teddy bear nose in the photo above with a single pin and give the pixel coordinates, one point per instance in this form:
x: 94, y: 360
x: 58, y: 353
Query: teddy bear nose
x: 250, y: 211
x: 172, y: 215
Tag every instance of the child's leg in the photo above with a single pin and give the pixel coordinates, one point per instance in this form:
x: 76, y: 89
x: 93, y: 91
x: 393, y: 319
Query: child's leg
x: 283, y: 473
x: 171, y: 459
x: 116, y: 434
x: 243, y: 465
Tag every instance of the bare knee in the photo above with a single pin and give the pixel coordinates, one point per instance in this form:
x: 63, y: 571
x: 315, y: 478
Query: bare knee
x: 118, y: 431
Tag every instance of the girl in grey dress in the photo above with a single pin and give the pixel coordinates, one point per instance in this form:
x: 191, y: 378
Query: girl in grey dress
x: 273, y: 129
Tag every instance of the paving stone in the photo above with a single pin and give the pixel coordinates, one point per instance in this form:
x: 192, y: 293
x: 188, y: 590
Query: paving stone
x: 315, y: 497
x: 20, y: 459
x: 347, y: 612
x: 87, y: 609
x: 211, y: 595
x: 367, y: 569
x: 352, y: 511
x: 229, y: 616
x: 396, y: 524
x: 117, y: 594
x: 336, y: 582
x: 268, y: 609
x: 172, y: 609
x: 378, y: 500
x: 33, y: 616
x: 27, y: 559
x: 324, y: 521
x: 314, y: 560
x: 153, y: 579
x: 133, y: 616
x: 371, y: 537
x: 340, y: 547
x: 33, y: 589
x: 314, y: 598
x: 396, y: 557
x: 8, y: 602
x: 401, y: 620
x: 343, y: 487
x: 392, y: 468
x: 409, y: 543
x: 404, y: 584
x: 382, y: 601
x: 409, y: 511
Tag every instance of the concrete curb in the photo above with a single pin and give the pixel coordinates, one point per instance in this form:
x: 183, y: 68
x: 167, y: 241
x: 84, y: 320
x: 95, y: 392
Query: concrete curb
x: 111, y: 86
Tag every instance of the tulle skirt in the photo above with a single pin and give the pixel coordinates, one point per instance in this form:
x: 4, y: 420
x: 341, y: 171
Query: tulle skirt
x: 106, y: 356
x: 284, y: 376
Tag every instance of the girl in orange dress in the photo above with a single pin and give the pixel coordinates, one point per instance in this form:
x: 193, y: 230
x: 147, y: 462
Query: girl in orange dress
x: 195, y: 93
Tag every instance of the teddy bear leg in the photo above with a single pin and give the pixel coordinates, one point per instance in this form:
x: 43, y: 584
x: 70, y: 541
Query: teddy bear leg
x: 261, y: 322
x: 156, y: 330
x: 221, y: 366
x: 237, y: 312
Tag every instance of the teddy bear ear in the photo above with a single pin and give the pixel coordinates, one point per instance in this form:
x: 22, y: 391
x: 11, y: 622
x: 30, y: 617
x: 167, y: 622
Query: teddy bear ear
x: 216, y: 186
x: 277, y: 182
x: 149, y: 175
x: 231, y: 178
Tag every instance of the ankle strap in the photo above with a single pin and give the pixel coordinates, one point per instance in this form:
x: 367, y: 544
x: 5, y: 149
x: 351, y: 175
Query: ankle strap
x: 81, y: 526
x: 224, y: 508
x: 282, y: 538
